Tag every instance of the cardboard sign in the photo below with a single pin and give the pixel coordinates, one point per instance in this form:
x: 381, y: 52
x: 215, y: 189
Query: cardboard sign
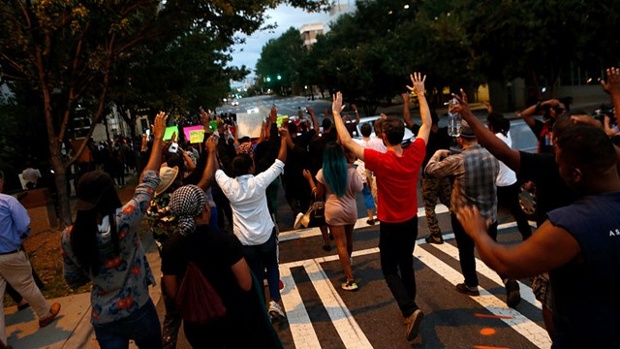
x: 169, y: 131
x: 249, y: 124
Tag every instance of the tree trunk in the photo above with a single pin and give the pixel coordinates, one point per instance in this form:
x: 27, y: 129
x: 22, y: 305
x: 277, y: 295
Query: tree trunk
x: 62, y: 190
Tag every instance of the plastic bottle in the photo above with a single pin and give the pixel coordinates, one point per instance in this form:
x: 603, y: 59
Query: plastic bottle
x: 454, y: 119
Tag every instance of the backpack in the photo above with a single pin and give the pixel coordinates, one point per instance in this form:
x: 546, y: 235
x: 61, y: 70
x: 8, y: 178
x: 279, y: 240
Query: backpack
x: 197, y: 301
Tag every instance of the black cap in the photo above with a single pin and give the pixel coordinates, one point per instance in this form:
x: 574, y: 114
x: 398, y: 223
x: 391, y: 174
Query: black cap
x: 92, y: 187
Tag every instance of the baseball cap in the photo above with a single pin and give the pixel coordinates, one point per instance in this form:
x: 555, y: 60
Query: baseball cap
x: 92, y: 187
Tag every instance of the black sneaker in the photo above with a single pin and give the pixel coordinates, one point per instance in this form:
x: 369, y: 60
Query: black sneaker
x: 433, y: 239
x: 412, y: 324
x: 513, y: 297
x: 468, y: 290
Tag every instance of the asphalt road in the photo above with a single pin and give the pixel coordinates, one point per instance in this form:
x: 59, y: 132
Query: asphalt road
x: 321, y: 315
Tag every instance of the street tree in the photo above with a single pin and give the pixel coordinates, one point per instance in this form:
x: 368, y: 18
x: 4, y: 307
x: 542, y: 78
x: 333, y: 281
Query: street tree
x: 69, y: 52
x: 280, y: 61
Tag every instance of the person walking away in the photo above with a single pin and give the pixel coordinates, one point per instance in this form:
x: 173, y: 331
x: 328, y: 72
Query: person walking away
x: 398, y: 219
x: 507, y: 185
x: 339, y: 183
x: 219, y: 256
x: 103, y: 246
x: 15, y: 268
x: 475, y: 171
x: 432, y: 188
x: 252, y: 223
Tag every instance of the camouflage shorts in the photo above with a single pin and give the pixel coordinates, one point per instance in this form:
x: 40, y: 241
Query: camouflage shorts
x: 542, y: 290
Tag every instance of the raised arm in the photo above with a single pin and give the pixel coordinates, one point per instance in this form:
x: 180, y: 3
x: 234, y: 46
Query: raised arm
x: 425, y: 113
x: 357, y: 114
x: 315, y: 122
x: 284, y: 139
x: 406, y: 113
x: 612, y: 86
x: 341, y: 128
x: 551, y: 247
x: 212, y: 164
x: 159, y: 129
x: 486, y: 138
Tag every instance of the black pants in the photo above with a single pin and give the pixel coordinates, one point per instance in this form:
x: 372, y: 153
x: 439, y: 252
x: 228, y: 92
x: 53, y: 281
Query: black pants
x: 466, y: 246
x: 508, y: 197
x: 396, y: 244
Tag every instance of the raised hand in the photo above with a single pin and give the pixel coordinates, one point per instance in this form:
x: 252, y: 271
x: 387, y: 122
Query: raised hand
x: 159, y: 126
x: 612, y: 84
x: 204, y: 118
x: 337, y: 106
x: 462, y: 106
x: 273, y: 114
x: 211, y: 144
x: 406, y: 97
x: 417, y: 80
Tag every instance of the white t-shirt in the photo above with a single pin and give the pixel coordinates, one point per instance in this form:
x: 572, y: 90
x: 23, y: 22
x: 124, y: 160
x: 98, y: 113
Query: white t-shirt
x: 506, y: 176
x: 252, y: 222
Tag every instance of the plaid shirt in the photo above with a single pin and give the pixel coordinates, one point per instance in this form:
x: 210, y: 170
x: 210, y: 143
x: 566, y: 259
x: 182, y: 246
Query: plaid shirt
x: 474, y: 171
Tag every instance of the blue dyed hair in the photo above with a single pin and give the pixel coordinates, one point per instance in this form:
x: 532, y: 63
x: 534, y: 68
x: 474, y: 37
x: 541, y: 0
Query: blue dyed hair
x: 335, y: 169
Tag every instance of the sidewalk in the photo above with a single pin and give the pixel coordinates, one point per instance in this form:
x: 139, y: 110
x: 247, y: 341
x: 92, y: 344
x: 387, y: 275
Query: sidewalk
x: 72, y: 329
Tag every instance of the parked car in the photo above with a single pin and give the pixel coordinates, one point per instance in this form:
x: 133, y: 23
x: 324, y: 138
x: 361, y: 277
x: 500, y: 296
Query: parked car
x: 371, y: 119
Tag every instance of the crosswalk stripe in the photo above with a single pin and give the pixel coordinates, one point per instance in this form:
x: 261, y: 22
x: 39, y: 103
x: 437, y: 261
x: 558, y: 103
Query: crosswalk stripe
x: 526, y: 292
x: 518, y: 322
x: 304, y: 335
x: 350, y: 332
x: 360, y: 223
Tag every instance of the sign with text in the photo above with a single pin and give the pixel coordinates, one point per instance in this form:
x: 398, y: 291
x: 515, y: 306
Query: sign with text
x: 194, y: 134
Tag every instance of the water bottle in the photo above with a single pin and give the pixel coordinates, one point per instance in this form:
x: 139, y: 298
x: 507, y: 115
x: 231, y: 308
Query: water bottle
x: 454, y: 119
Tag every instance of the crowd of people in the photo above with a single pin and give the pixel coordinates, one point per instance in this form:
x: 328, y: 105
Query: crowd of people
x: 215, y: 211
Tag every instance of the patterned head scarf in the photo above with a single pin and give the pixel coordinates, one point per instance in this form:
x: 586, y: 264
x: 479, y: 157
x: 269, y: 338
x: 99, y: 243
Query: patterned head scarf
x: 186, y: 203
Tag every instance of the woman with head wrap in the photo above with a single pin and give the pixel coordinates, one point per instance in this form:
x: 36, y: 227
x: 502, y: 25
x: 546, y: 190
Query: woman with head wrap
x: 219, y: 257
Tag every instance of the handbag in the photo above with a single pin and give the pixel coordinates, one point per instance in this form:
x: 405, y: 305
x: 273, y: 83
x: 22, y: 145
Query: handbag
x: 315, y: 216
x: 197, y: 301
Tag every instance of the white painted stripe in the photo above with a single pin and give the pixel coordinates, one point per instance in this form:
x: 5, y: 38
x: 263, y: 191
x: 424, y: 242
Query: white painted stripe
x: 526, y: 292
x: 518, y: 322
x: 360, y: 223
x: 350, y: 333
x: 304, y: 335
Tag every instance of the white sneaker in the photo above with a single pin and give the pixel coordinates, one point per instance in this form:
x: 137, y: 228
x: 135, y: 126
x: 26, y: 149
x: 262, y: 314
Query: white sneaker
x: 276, y: 311
x: 297, y: 224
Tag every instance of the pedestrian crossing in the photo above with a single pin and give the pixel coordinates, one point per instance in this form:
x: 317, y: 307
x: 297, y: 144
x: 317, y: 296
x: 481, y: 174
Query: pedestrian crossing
x: 305, y: 334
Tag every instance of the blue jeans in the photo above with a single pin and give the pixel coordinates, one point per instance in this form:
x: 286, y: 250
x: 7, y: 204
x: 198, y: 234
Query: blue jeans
x: 264, y: 256
x: 142, y: 326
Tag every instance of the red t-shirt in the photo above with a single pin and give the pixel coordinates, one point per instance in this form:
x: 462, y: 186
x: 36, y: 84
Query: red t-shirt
x: 397, y: 178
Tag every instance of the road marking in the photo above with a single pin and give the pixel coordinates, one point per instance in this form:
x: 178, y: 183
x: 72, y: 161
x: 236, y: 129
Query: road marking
x: 517, y: 321
x: 304, y: 335
x: 350, y: 333
x: 360, y: 223
x: 526, y: 292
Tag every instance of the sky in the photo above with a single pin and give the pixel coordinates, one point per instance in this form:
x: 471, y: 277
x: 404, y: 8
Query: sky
x: 285, y: 16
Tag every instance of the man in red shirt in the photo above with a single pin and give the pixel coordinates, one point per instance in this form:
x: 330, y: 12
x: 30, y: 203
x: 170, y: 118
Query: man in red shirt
x: 396, y: 171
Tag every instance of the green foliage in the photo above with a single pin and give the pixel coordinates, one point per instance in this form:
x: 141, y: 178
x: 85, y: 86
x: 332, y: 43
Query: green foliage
x: 68, y: 52
x: 461, y: 43
x: 282, y: 57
